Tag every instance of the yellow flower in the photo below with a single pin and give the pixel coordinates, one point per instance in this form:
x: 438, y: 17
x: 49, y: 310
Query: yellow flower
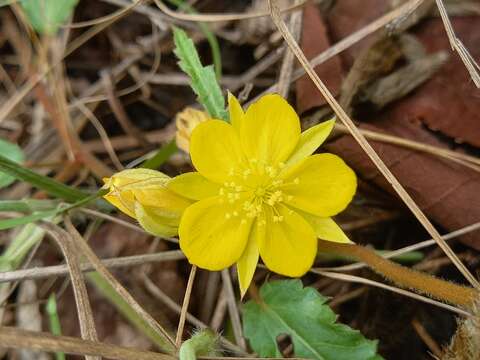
x: 143, y: 195
x: 260, y: 192
x: 186, y: 121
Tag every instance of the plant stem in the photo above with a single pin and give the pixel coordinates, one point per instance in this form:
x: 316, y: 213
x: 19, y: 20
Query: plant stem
x: 405, y: 277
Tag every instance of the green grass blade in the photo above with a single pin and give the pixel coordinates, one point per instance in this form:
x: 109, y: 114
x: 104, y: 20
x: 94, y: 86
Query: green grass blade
x: 54, y: 321
x: 53, y: 187
x: 162, y: 155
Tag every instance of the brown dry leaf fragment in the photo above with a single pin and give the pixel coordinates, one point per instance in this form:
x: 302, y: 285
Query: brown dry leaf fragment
x: 404, y: 80
x: 315, y: 40
x: 450, y: 102
x: 447, y: 192
x: 348, y: 16
x: 372, y: 62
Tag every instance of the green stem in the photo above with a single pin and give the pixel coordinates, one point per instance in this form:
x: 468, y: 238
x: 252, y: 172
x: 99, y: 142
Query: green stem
x: 54, y: 320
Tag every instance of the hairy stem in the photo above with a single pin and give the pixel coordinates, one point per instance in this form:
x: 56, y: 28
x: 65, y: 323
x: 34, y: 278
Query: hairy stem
x: 405, y: 277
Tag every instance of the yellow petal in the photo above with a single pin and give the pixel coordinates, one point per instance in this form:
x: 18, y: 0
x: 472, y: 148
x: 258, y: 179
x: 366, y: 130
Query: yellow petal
x: 124, y: 201
x: 270, y: 131
x: 236, y: 112
x: 322, y: 185
x: 310, y: 140
x: 326, y: 228
x: 215, y: 150
x: 122, y: 184
x: 153, y: 223
x: 212, y: 234
x: 247, y: 263
x: 193, y: 186
x: 289, y: 246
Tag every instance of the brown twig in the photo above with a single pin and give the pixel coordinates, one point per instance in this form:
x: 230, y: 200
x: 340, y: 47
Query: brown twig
x: 84, y: 309
x: 24, y: 339
x: 86, y: 251
x: 233, y: 309
x: 186, y: 302
x: 59, y: 270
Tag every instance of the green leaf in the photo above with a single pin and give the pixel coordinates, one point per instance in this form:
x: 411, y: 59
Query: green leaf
x: 46, y: 16
x: 161, y: 156
x: 286, y: 307
x: 13, y: 153
x: 45, y: 183
x: 204, y: 82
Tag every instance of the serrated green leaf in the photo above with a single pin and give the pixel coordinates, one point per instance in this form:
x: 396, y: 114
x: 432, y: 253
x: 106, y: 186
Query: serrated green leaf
x: 288, y: 308
x: 203, y: 79
x: 46, y: 16
x: 14, y: 153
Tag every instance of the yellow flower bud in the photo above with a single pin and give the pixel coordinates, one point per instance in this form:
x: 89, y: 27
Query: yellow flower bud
x: 143, y: 195
x: 186, y: 121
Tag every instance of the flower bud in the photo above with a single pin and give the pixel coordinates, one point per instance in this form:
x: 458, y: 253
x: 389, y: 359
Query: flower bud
x: 143, y: 195
x: 186, y: 121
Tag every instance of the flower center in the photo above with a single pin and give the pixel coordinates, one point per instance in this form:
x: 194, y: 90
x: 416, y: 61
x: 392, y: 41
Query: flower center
x: 255, y: 188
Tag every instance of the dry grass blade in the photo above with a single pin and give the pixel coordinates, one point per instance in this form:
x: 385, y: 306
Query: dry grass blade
x: 84, y: 310
x: 221, y: 17
x: 186, y: 302
x: 233, y: 309
x: 472, y: 67
x: 463, y: 159
x: 24, y: 339
x: 360, y: 280
x: 164, y: 298
x: 86, y: 251
x: 59, y: 270
x: 367, y: 147
x: 32, y: 81
x: 105, y: 18
x: 286, y: 70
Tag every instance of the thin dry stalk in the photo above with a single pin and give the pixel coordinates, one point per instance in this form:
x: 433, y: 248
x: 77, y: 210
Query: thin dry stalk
x: 463, y: 159
x: 367, y: 147
x: 406, y: 249
x: 286, y: 70
x: 86, y: 251
x: 221, y: 17
x: 360, y: 280
x: 426, y: 338
x: 33, y: 80
x: 84, y: 309
x: 457, y: 45
x: 23, y: 339
x: 233, y: 309
x: 119, y: 111
x: 172, y: 305
x: 120, y: 262
x: 186, y: 302
x: 106, y: 18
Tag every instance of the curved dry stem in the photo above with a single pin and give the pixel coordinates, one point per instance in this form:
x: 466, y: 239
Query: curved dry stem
x: 221, y: 17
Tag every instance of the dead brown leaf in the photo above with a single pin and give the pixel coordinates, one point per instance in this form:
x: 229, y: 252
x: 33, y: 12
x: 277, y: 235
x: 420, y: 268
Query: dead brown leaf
x: 314, y: 40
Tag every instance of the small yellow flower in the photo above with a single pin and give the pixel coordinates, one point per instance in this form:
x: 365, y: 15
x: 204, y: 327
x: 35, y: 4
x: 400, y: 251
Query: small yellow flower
x: 186, y: 121
x: 143, y: 195
x: 259, y: 191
